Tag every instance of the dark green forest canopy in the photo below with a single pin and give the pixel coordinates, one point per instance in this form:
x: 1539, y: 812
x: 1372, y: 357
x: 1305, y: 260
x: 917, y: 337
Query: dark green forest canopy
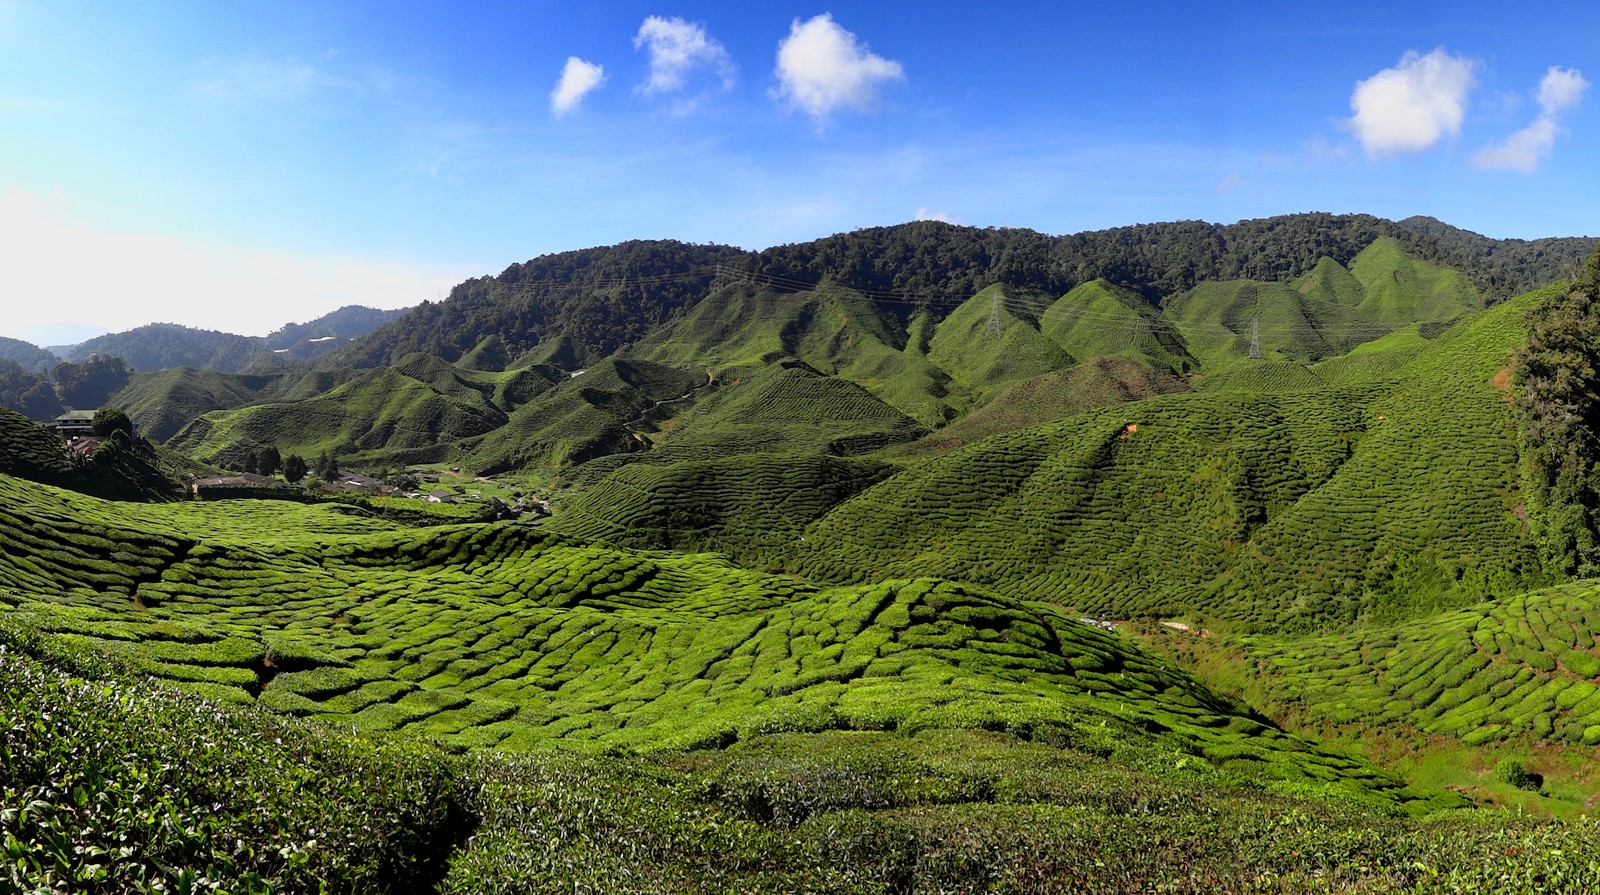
x: 592, y: 302
x: 27, y: 354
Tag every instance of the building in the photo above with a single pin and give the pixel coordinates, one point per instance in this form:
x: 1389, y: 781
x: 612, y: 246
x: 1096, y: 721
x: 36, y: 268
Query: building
x: 73, y: 422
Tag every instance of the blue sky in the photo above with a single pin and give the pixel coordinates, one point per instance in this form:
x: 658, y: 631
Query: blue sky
x: 239, y: 166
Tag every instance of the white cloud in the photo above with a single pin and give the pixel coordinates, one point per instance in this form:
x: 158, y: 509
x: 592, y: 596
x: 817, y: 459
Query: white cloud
x: 676, y: 49
x: 1414, y: 105
x: 1560, y: 90
x: 163, y: 279
x: 821, y: 67
x: 923, y: 214
x: 578, y: 79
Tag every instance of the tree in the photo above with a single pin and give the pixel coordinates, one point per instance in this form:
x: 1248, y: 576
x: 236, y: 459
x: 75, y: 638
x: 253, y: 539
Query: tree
x: 248, y: 464
x: 268, y: 460
x: 111, y: 419
x: 327, y: 466
x: 1558, y: 369
x: 90, y: 383
x: 294, y: 468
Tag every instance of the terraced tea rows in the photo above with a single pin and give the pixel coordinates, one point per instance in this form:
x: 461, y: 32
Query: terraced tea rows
x: 793, y: 409
x: 130, y: 787
x: 1125, y: 510
x: 501, y: 635
x: 752, y: 508
x: 1523, y: 667
x: 1291, y: 509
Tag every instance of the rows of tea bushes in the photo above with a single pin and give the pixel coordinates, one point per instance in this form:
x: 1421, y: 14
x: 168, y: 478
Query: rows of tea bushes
x: 1523, y: 668
x: 484, y: 635
x: 966, y: 345
x: 383, y: 414
x: 593, y: 413
x: 1119, y: 511
x: 832, y: 330
x: 1096, y: 383
x: 752, y: 507
x: 111, y: 783
x: 1277, y: 510
x: 792, y: 408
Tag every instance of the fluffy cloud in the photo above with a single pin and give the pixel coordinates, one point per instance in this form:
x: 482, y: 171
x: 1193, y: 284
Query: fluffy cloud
x: 1560, y: 90
x: 578, y: 79
x: 821, y: 67
x: 676, y: 49
x: 1414, y: 105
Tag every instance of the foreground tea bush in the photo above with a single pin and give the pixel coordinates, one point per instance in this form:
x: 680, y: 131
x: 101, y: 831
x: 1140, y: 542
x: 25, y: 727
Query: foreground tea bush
x: 109, y: 783
x: 113, y: 783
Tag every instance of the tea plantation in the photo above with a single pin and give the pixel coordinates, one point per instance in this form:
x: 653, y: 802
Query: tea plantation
x: 844, y: 592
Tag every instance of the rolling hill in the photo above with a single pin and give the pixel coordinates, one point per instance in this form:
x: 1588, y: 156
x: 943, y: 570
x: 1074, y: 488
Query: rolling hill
x: 1013, y: 589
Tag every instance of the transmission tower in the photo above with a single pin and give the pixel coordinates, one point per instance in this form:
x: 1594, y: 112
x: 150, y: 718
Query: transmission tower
x: 1255, y: 337
x: 994, y: 316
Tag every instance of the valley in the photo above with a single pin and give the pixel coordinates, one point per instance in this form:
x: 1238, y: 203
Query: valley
x: 1171, y: 558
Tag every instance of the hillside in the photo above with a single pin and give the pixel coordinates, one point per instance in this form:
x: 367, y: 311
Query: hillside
x: 707, y: 324
x: 164, y: 346
x: 129, y: 470
x: 28, y: 355
x: 484, y: 635
x: 303, y: 341
x: 158, y: 346
x: 161, y: 403
x: 1373, y: 490
x: 239, y: 798
x: 1022, y: 591
x: 409, y: 413
x: 27, y: 392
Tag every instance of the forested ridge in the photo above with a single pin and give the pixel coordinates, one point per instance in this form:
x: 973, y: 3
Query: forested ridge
x: 586, y: 304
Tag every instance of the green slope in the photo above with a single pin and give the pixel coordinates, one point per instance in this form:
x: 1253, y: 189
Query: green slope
x: 130, y: 470
x: 162, y: 402
x: 1400, y: 289
x: 500, y: 635
x: 1101, y: 382
x: 750, y: 507
x: 380, y: 416
x: 245, y: 801
x: 789, y: 407
x: 1295, y: 508
x: 835, y: 331
x: 1098, y: 319
x: 1326, y: 312
x: 591, y: 413
x: 1522, y: 667
x: 965, y: 346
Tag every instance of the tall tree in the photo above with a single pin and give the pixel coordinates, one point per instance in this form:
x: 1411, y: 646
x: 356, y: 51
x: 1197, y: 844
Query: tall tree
x: 268, y: 460
x: 1558, y: 370
x: 111, y: 419
x: 89, y: 384
x: 294, y: 468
